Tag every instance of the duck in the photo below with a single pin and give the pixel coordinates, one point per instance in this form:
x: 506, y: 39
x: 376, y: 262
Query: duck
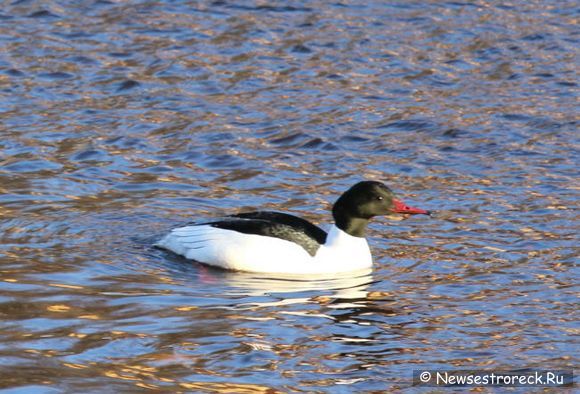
x: 280, y: 243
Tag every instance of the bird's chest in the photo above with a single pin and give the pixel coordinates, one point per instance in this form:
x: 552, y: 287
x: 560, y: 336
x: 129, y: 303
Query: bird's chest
x: 347, y: 251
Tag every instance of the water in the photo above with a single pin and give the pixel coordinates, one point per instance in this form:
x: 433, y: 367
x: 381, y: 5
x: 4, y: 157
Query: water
x: 122, y: 120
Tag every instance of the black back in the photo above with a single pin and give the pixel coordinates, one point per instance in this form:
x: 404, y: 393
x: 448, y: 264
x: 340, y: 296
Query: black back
x: 275, y: 224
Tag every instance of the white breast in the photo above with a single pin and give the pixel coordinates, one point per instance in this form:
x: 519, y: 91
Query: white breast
x: 343, y: 252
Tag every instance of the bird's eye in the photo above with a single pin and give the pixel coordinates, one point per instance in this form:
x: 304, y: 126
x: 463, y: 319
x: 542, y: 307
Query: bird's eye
x: 380, y: 198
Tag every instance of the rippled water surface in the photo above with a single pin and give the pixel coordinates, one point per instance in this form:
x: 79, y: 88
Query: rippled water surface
x: 120, y: 120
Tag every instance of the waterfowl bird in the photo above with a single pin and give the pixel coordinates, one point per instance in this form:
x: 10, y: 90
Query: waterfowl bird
x: 274, y: 242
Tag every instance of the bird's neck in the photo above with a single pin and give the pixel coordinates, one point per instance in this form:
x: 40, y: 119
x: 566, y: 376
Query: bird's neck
x: 353, y: 226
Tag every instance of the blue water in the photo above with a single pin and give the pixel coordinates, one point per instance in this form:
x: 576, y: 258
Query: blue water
x: 122, y: 120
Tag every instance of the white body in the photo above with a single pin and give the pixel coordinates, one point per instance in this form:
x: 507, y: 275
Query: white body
x: 256, y: 253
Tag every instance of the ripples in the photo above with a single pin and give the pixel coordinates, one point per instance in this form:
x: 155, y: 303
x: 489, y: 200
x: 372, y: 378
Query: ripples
x: 120, y: 121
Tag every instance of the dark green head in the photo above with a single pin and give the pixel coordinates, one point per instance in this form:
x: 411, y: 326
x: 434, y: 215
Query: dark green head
x: 353, y: 210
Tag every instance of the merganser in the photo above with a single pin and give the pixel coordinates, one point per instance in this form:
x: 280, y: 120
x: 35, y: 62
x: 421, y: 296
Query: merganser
x: 274, y: 242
